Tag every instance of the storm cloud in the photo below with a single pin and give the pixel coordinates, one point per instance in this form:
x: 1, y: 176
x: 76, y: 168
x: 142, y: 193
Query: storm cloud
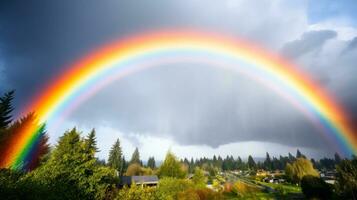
x: 193, y: 104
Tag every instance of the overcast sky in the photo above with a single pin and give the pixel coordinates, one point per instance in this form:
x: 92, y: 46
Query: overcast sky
x: 195, y: 110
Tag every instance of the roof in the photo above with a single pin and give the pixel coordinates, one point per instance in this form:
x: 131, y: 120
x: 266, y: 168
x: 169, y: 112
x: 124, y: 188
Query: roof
x: 128, y: 180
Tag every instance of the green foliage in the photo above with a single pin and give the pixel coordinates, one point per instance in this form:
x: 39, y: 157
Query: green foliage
x: 199, y: 179
x: 137, y: 193
x: 299, y: 154
x: 315, y: 187
x: 135, y: 158
x: 151, y: 163
x: 171, y: 167
x: 71, y: 163
x: 14, y: 185
x: 134, y: 170
x: 91, y: 143
x: 300, y: 168
x: 115, y: 159
x: 6, y: 109
x: 267, y: 162
x: 347, y: 178
x: 169, y: 188
x: 251, y: 163
x: 38, y: 151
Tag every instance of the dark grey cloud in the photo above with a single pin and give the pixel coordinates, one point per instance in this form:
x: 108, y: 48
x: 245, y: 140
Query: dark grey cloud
x: 43, y: 37
x: 332, y: 64
x: 193, y: 104
x: 308, y: 42
x: 351, y: 46
x: 198, y: 105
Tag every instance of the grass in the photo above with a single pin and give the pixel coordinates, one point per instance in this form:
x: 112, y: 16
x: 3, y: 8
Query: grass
x: 287, y: 188
x: 257, y: 195
x: 283, y: 191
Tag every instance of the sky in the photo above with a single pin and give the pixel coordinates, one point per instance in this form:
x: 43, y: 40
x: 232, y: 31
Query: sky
x: 194, y: 110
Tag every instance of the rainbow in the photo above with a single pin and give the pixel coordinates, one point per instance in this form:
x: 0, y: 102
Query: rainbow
x: 134, y: 54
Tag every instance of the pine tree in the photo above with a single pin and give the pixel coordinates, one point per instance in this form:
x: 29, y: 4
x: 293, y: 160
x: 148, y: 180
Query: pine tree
x: 115, y: 159
x: 91, y: 143
x: 291, y: 158
x: 36, y: 152
x: 251, y: 163
x: 151, y: 163
x: 299, y: 154
x: 135, y: 158
x: 69, y: 167
x: 5, y: 109
x: 337, y: 158
x: 267, y: 162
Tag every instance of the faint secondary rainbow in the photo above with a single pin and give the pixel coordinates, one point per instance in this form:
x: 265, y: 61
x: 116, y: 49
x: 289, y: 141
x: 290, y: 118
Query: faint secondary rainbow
x: 127, y: 56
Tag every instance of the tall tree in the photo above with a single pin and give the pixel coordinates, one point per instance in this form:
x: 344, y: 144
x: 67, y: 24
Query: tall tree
x: 251, y: 163
x: 267, y: 162
x: 299, y: 154
x: 91, y: 143
x: 5, y: 109
x: 70, y: 164
x: 151, y: 163
x: 199, y: 178
x: 337, y: 158
x: 135, y: 158
x: 347, y: 178
x: 171, y: 167
x: 300, y: 168
x: 291, y: 158
x: 115, y: 159
x: 37, y: 151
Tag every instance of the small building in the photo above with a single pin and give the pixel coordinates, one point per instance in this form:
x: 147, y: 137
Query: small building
x: 138, y: 180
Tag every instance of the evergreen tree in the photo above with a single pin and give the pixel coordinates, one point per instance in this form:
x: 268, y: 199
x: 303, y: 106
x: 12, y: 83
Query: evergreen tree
x: 5, y: 119
x: 38, y: 150
x: 151, y: 163
x: 70, y: 164
x: 291, y: 158
x: 5, y: 109
x: 115, y: 159
x: 299, y: 154
x: 251, y: 163
x: 267, y: 162
x: 91, y: 143
x: 135, y: 158
x: 337, y: 158
x: 347, y: 178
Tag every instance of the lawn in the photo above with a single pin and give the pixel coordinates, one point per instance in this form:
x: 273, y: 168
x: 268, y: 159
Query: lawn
x: 287, y: 188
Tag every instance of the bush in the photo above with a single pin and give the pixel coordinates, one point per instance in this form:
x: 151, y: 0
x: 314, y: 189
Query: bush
x: 137, y: 193
x: 208, y: 194
x: 243, y: 189
x: 346, y: 184
x: 169, y: 188
x: 315, y: 187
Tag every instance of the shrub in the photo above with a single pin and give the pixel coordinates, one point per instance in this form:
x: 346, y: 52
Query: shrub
x: 243, y: 189
x: 169, y: 188
x: 137, y: 193
x: 315, y: 187
x: 208, y: 194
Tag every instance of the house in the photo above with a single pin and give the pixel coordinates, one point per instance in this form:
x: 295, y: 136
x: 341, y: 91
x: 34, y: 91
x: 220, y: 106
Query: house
x: 138, y: 180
